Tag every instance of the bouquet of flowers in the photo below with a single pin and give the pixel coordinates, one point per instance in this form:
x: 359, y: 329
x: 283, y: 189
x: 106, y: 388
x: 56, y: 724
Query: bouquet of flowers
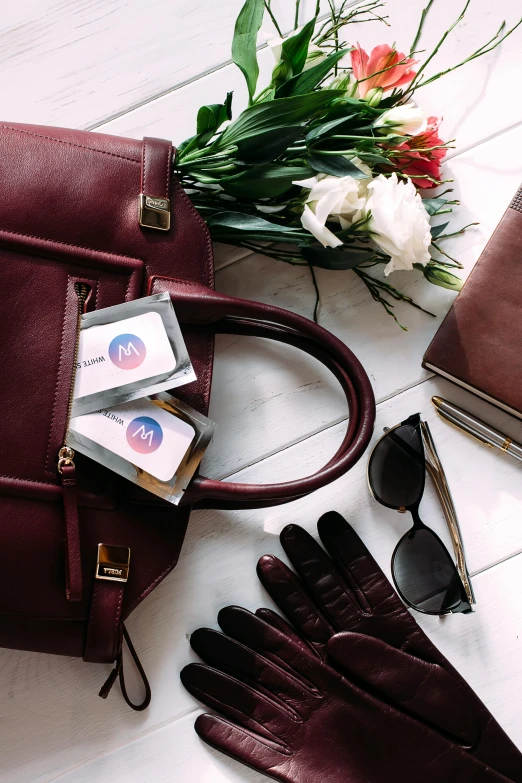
x: 326, y: 166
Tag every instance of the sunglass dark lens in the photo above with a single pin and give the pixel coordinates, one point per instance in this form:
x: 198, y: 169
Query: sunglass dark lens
x: 396, y: 469
x: 425, y: 574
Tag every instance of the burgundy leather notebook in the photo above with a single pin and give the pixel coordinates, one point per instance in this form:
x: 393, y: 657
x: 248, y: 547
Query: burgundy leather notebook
x: 479, y: 343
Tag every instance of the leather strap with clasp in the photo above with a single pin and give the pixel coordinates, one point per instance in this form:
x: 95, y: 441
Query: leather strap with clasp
x: 154, y: 201
x: 104, y: 630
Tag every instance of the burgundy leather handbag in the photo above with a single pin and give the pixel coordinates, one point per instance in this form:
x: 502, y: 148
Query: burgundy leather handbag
x: 88, y: 221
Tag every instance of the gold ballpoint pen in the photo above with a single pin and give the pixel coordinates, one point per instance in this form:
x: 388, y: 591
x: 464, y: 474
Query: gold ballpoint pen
x: 477, y: 428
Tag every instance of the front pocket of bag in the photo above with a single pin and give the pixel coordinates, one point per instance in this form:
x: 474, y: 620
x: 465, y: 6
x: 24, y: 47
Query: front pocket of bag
x: 38, y: 327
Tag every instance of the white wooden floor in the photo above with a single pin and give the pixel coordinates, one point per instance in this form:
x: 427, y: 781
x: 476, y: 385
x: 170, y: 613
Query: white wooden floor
x: 131, y: 67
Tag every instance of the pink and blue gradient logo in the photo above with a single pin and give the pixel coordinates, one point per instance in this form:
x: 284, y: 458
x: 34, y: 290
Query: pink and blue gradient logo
x: 144, y: 435
x: 127, y: 351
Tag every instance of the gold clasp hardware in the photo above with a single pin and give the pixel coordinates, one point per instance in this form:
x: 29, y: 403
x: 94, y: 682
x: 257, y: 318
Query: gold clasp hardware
x: 112, y: 563
x: 65, y: 457
x: 154, y: 212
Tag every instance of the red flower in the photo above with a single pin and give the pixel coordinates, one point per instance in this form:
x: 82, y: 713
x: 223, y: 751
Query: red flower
x: 395, y: 67
x: 423, y: 156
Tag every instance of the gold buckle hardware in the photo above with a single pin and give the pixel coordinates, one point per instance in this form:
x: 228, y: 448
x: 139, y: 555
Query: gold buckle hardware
x: 154, y: 212
x: 112, y: 563
x: 507, y: 443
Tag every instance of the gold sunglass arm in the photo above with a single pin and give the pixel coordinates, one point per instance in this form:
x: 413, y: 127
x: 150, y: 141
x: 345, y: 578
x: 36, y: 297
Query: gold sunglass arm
x: 438, y: 476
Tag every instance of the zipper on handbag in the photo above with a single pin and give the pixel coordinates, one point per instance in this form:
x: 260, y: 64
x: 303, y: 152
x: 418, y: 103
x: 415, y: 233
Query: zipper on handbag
x: 66, y: 454
x: 67, y: 469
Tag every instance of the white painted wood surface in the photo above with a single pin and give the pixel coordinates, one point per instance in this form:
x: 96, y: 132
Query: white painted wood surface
x: 130, y: 68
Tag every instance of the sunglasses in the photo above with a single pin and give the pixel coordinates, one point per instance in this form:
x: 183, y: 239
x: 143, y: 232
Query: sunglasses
x: 423, y: 571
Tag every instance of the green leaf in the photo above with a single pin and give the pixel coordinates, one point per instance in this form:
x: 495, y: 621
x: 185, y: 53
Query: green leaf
x: 395, y: 140
x: 264, y: 181
x: 208, y: 117
x: 335, y: 164
x: 326, y: 127
x: 436, y: 206
x: 437, y: 230
x: 233, y: 225
x: 372, y: 157
x: 266, y: 146
x: 275, y: 114
x: 308, y: 81
x: 186, y: 146
x: 244, y: 222
x: 244, y: 52
x: 211, y: 117
x: 361, y: 107
x: 330, y: 258
x: 295, y: 48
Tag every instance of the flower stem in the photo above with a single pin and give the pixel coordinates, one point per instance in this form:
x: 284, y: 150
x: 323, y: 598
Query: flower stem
x: 456, y: 233
x: 207, y: 154
x: 478, y: 53
x: 296, y: 17
x: 436, y: 50
x: 401, y: 153
x: 375, y: 286
x: 329, y: 29
x: 349, y: 136
x: 424, y: 14
x: 272, y: 17
x: 443, y: 253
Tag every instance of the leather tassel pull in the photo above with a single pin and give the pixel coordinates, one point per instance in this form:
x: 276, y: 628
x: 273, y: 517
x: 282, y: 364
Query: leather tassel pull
x: 73, y: 561
x: 117, y: 672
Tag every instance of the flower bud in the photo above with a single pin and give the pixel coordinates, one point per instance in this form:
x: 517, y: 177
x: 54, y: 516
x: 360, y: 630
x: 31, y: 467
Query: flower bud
x: 340, y: 82
x: 314, y: 57
x: 442, y: 277
x: 281, y: 73
x: 405, y: 119
x: 373, y: 96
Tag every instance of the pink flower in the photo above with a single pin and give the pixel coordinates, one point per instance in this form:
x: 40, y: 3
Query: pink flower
x: 397, y: 64
x: 420, y: 161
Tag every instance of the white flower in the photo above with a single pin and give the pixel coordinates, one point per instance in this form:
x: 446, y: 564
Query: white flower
x: 336, y: 199
x: 312, y: 224
x: 275, y: 43
x: 399, y: 223
x: 406, y: 119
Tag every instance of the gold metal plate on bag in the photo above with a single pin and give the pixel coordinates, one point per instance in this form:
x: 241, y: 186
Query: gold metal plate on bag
x: 154, y: 212
x: 112, y: 563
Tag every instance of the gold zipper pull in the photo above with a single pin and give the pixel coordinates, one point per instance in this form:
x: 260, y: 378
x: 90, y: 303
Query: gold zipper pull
x: 67, y: 469
x: 65, y: 457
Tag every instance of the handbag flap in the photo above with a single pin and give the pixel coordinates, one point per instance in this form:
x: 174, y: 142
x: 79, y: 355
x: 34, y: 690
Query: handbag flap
x: 81, y: 189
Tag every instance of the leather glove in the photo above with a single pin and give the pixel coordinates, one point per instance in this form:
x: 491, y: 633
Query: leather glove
x: 346, y: 608
x: 289, y: 714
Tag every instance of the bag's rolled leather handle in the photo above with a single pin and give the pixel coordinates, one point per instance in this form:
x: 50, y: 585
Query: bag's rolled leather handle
x: 197, y: 304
